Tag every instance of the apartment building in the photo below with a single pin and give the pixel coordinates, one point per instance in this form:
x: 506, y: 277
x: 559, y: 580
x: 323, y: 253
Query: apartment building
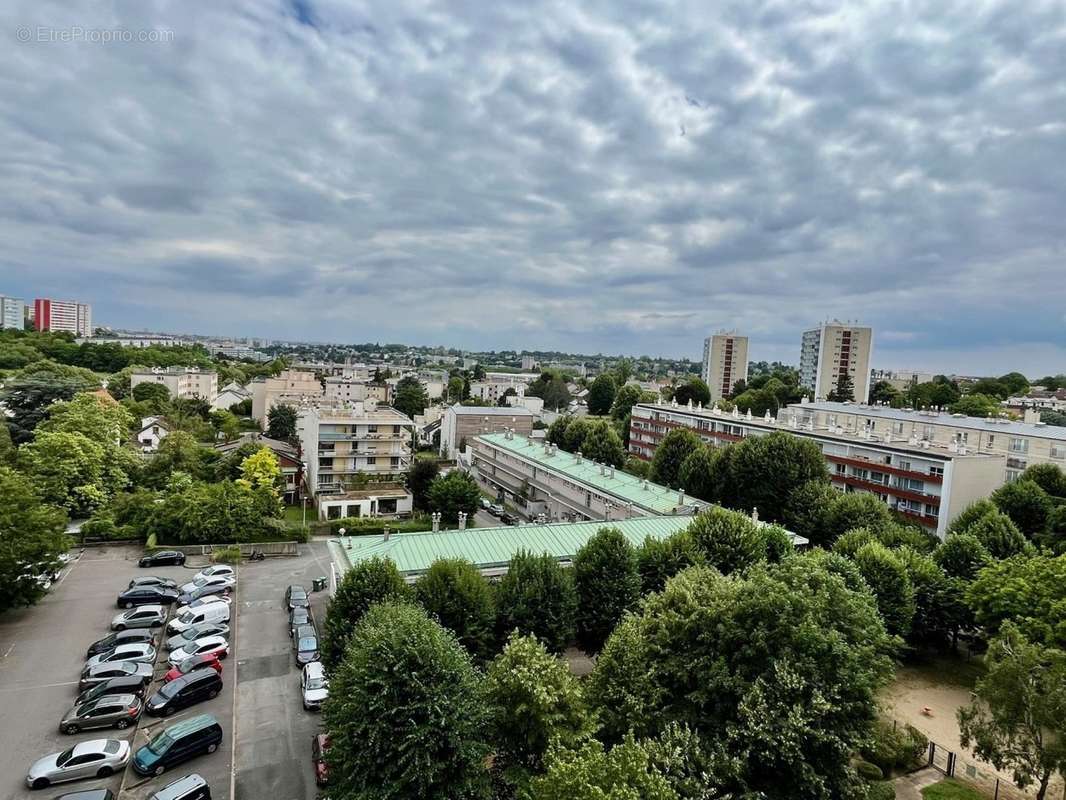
x: 831, y: 351
x: 492, y: 391
x: 562, y: 486
x: 1020, y: 444
x: 353, y: 390
x: 185, y: 383
x: 899, y: 379
x: 928, y: 484
x: 63, y: 315
x: 340, y: 442
x: 460, y: 424
x: 529, y: 363
x: 725, y: 361
x: 290, y: 386
x: 140, y: 342
x: 12, y: 312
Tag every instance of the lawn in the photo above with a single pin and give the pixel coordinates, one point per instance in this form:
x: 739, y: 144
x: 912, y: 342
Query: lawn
x: 950, y: 789
x: 294, y: 514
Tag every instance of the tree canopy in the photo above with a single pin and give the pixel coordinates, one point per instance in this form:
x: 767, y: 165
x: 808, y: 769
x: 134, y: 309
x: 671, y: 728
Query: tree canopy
x: 607, y: 582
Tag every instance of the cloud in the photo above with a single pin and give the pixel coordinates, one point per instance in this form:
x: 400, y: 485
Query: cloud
x: 611, y: 176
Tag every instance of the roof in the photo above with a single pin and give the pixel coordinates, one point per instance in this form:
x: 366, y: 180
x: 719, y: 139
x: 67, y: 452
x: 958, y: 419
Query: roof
x: 278, y: 446
x: 652, y: 497
x: 366, y: 494
x: 492, y: 411
x: 989, y: 424
x: 489, y: 548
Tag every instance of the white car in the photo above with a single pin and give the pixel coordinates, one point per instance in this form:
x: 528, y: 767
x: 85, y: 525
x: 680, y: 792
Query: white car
x: 97, y: 758
x: 137, y: 651
x: 314, y: 685
x: 203, y: 601
x: 203, y: 581
x: 206, y: 645
x: 194, y: 632
x: 216, y: 570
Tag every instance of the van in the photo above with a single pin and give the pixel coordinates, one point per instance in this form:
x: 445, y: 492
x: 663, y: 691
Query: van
x: 191, y: 787
x: 180, y: 742
x: 200, y: 684
x: 212, y: 612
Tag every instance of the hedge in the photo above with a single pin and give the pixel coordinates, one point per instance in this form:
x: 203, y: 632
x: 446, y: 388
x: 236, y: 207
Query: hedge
x: 375, y: 526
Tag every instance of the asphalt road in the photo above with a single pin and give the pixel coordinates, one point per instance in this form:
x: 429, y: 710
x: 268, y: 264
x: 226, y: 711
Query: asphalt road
x: 273, y: 731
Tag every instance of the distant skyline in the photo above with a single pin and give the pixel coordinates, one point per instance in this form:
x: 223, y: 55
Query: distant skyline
x: 621, y: 177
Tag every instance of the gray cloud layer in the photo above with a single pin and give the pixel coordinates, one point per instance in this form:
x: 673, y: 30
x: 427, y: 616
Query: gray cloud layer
x: 616, y: 176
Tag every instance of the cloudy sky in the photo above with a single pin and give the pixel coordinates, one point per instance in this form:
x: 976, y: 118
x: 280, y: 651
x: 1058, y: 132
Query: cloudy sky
x: 621, y: 176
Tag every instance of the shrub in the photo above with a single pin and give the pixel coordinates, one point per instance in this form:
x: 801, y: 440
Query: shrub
x: 868, y: 771
x: 894, y: 748
x: 227, y: 555
x: 881, y: 790
x: 459, y: 597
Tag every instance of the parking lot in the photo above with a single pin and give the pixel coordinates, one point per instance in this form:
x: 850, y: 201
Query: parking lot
x: 42, y: 650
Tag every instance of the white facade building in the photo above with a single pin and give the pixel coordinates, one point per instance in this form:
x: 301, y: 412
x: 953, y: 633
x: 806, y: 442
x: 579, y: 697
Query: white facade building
x: 831, y: 351
x: 63, y: 315
x: 185, y: 383
x: 153, y: 431
x: 12, y: 312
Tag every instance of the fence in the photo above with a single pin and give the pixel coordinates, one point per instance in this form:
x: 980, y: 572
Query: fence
x: 980, y: 776
x: 266, y: 548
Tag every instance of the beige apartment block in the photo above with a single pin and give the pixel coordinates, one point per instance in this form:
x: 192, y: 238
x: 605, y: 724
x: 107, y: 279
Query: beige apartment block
x: 928, y: 484
x: 290, y: 386
x: 725, y: 361
x: 832, y: 350
x: 185, y: 383
x: 1021, y: 444
x: 460, y: 424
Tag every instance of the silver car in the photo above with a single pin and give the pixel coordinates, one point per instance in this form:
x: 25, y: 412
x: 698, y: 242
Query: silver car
x: 146, y: 616
x: 194, y: 632
x: 98, y: 758
x: 111, y: 710
x: 137, y: 651
x: 313, y: 685
x: 207, y: 644
x: 203, y: 581
x: 114, y: 669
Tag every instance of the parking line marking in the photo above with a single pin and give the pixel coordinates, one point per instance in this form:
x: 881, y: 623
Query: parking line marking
x: 39, y: 686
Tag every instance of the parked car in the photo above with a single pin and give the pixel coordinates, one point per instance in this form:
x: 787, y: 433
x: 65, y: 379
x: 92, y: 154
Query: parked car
x: 306, y: 647
x: 153, y: 580
x: 200, y: 684
x: 96, y: 758
x: 200, y: 581
x: 124, y: 652
x: 195, y: 662
x: 314, y: 685
x: 319, y: 748
x: 140, y: 617
x: 199, y: 614
x: 123, y: 684
x: 191, y: 787
x: 112, y: 710
x: 203, y: 601
x: 145, y: 595
x: 115, y: 669
x: 218, y: 589
x: 177, y: 743
x: 301, y: 615
x: 295, y: 597
x: 508, y: 519
x: 485, y: 504
x: 217, y: 645
x: 162, y: 558
x: 496, y: 510
x: 217, y: 569
x: 194, y: 632
x: 133, y: 636
x: 88, y: 794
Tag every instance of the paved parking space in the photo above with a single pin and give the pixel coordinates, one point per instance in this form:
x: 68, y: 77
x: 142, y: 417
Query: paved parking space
x: 273, y: 731
x: 42, y: 651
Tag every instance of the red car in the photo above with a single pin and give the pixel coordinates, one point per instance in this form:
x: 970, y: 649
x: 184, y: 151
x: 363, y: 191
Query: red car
x: 319, y: 748
x: 194, y: 662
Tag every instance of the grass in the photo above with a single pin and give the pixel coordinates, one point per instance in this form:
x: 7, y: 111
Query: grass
x: 294, y: 514
x: 950, y: 789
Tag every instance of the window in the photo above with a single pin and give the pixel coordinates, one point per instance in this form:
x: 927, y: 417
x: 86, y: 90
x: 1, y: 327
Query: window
x: 841, y: 469
x: 1012, y: 475
x: 936, y: 471
x: 897, y: 428
x: 1058, y: 451
x: 1018, y: 445
x: 371, y: 461
x: 928, y: 432
x: 905, y: 465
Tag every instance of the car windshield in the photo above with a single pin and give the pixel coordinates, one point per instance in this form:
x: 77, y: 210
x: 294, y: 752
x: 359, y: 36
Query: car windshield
x: 84, y: 708
x: 160, y: 743
x: 168, y: 690
x: 64, y: 757
x: 308, y: 643
x: 199, y: 580
x: 111, y: 746
x: 317, y: 683
x: 297, y: 594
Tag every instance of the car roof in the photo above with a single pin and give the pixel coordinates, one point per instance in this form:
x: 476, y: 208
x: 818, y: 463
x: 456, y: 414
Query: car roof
x: 88, y: 794
x: 210, y: 640
x: 180, y: 786
x: 191, y: 725
x: 91, y: 746
x: 124, y: 699
x: 146, y: 607
x: 314, y: 668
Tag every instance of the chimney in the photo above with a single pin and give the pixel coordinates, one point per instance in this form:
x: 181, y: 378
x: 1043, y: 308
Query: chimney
x: 462, y: 520
x: 681, y: 497
x: 385, y: 534
x: 612, y: 471
x: 1031, y: 415
x: 577, y: 457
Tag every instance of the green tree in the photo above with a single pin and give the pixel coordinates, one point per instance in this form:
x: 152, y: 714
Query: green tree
x: 658, y: 560
x: 28, y: 395
x: 603, y: 444
x: 419, y: 478
x: 410, y: 396
x: 621, y: 688
x: 226, y: 425
x: 695, y: 390
x: 405, y: 715
x: 671, y: 453
x: 883, y: 392
x: 100, y: 420
x: 858, y: 510
x: 1028, y: 506
x: 557, y: 430
x: 625, y: 398
x: 455, y: 389
x: 1017, y: 720
x: 68, y: 469
x: 1048, y: 477
x: 368, y: 582
x: 727, y: 540
x: 574, y: 434
x: 601, y: 394
x: 180, y: 452
x: 699, y: 473
x: 155, y: 395
x: 551, y: 388
x: 844, y: 389
x: 454, y: 593
x: 607, y: 582
x: 999, y: 535
x: 1015, y: 382
x: 625, y: 772
x: 763, y: 470
x: 808, y: 512
x: 969, y: 515
x: 8, y: 453
x: 1025, y: 590
x: 281, y: 423
x: 937, y: 607
x: 962, y: 556
x: 31, y: 539
x: 454, y: 493
x: 887, y: 578
x: 991, y: 387
x: 537, y: 597
x: 533, y: 702
x: 976, y: 405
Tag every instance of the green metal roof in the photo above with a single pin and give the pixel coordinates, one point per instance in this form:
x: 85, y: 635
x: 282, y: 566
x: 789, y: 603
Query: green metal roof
x: 653, y: 497
x: 493, y: 547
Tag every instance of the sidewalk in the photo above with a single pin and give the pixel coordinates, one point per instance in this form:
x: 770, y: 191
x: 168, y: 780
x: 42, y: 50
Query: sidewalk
x: 909, y: 787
